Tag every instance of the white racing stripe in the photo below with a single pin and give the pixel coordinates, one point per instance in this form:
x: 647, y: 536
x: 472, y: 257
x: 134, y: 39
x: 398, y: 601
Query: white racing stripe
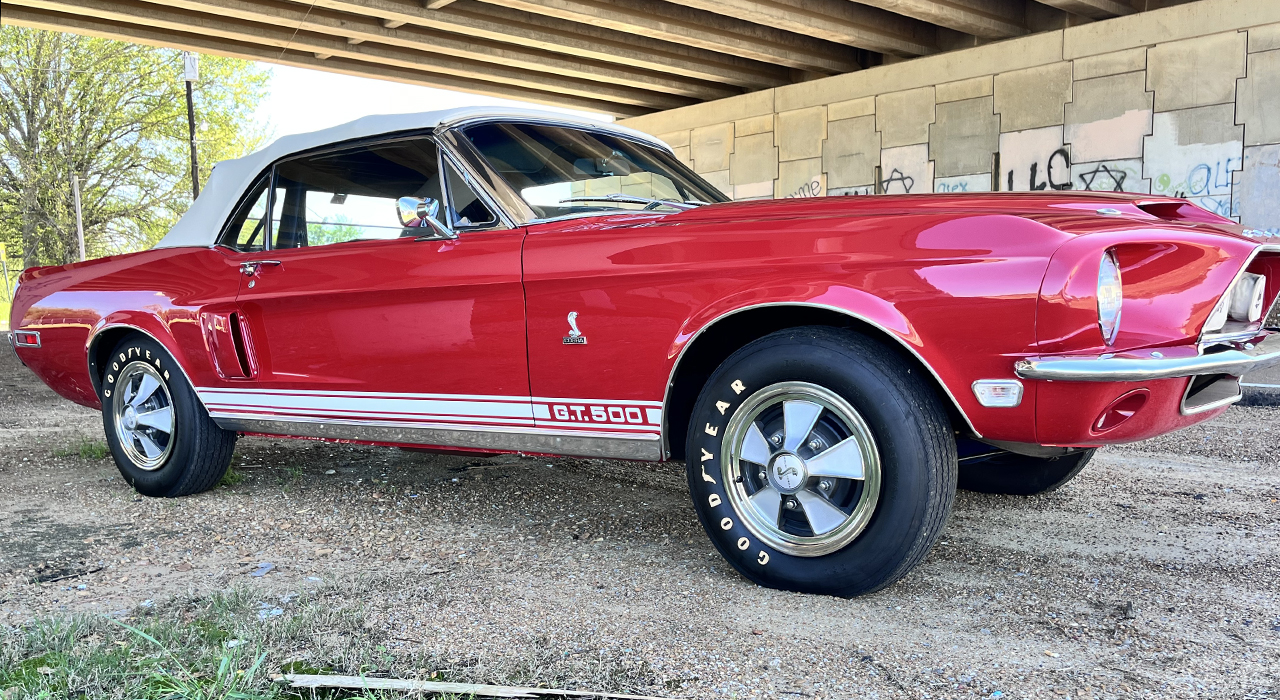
x: 573, y: 414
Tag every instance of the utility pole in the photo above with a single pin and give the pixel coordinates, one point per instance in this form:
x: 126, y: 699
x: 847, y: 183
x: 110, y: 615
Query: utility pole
x: 75, y: 196
x: 4, y: 265
x: 191, y: 72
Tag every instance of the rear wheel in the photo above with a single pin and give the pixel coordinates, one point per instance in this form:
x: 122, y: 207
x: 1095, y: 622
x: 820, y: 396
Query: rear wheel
x: 1020, y: 475
x: 819, y: 462
x: 162, y: 439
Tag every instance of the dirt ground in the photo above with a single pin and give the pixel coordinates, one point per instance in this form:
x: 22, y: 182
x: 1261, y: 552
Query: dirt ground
x: 1153, y: 574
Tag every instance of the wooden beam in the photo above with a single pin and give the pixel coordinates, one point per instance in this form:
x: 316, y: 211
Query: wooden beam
x: 359, y: 29
x: 837, y: 21
x: 194, y: 41
x: 437, y: 4
x: 675, y: 23
x: 1093, y: 9
x: 988, y: 19
x: 583, y: 41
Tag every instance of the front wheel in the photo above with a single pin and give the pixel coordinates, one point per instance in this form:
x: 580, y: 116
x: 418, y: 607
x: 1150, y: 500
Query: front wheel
x: 820, y: 462
x: 163, y: 441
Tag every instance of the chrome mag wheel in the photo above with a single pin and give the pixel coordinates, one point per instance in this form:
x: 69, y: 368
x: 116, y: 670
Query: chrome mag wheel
x: 143, y: 413
x: 803, y: 470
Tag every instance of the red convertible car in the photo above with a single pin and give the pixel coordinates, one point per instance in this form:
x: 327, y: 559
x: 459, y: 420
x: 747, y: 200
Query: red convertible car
x: 828, y: 368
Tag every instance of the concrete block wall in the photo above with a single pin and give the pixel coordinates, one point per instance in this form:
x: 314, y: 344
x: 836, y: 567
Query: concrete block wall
x: 1183, y: 101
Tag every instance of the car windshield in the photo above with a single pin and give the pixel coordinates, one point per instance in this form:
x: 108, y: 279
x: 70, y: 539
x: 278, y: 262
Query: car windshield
x: 561, y: 171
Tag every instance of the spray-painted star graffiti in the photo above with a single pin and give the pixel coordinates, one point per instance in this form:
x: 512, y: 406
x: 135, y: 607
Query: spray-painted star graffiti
x: 1117, y: 177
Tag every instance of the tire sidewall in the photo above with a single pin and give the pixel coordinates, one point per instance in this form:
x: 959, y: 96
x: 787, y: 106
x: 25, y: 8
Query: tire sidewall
x: 163, y: 480
x: 872, y: 559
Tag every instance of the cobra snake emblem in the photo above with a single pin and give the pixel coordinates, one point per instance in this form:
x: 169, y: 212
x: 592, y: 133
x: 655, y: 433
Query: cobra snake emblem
x: 573, y: 325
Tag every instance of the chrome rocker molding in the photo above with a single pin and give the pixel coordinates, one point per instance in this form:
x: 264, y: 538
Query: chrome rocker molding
x: 647, y: 449
x: 1125, y: 369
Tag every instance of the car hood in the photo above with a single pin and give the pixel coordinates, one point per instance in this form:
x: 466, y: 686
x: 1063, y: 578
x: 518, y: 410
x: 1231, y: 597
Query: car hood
x: 1071, y: 212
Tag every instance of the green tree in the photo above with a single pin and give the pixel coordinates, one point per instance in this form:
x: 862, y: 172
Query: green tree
x: 114, y: 114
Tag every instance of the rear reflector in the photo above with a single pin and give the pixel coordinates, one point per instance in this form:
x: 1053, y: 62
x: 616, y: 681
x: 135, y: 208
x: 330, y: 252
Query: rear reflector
x: 26, y: 339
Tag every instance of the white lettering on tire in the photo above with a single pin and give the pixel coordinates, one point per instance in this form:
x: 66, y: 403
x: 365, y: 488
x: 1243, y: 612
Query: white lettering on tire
x: 743, y: 543
x: 737, y: 386
x: 726, y: 524
x: 714, y: 500
x: 763, y: 558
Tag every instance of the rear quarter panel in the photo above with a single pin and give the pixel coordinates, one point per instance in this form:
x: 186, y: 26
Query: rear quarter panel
x: 160, y: 292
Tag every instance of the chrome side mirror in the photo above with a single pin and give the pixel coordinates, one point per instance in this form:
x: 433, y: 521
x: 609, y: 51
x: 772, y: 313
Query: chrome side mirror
x: 421, y: 212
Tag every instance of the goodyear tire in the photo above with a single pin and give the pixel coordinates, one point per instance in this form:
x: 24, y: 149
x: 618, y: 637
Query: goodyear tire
x: 163, y: 441
x: 820, y: 462
x: 1019, y: 475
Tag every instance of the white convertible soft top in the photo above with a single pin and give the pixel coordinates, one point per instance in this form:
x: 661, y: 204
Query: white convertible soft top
x: 200, y: 225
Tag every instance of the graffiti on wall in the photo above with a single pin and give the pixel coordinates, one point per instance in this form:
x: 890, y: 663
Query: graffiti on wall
x: 1201, y: 172
x: 1110, y: 176
x: 858, y: 191
x: 1257, y: 192
x: 1033, y: 160
x: 812, y: 188
x: 906, y: 170
x: 963, y: 183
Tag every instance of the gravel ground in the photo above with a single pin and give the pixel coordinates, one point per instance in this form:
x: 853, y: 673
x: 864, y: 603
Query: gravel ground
x: 1153, y: 574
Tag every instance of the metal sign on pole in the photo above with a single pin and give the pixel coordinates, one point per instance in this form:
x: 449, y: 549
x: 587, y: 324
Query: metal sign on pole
x: 191, y: 73
x: 75, y: 195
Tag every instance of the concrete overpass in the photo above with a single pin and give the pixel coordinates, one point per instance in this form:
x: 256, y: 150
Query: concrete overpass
x: 621, y: 57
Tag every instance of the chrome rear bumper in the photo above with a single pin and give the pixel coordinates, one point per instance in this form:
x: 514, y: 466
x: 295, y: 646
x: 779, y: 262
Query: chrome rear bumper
x: 1166, y: 363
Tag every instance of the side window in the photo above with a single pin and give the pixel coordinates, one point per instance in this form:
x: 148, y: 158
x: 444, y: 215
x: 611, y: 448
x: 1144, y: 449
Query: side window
x: 466, y: 209
x: 353, y: 195
x: 246, y: 230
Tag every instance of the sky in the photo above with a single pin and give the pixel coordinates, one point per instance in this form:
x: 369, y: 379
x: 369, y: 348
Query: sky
x: 300, y: 100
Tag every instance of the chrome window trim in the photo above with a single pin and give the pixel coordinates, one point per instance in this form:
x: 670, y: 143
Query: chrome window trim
x: 510, y: 207
x: 462, y: 122
x: 666, y: 398
x: 503, y: 221
x: 449, y: 134
x: 535, y: 440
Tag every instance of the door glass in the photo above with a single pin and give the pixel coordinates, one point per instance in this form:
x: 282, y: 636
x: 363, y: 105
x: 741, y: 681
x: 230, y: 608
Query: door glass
x: 353, y: 195
x: 465, y: 206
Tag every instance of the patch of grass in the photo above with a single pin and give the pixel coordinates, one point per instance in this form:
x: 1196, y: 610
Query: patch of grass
x: 235, y: 644
x: 231, y: 478
x: 85, y: 449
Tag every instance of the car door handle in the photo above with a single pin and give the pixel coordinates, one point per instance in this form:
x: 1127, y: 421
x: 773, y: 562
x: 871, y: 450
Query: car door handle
x: 251, y: 268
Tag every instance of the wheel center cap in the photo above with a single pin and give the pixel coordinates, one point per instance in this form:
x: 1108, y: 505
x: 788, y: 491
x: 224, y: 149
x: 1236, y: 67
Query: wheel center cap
x: 788, y: 473
x: 130, y: 418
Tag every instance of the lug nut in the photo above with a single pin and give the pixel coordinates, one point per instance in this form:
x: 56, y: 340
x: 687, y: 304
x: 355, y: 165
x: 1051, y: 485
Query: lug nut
x: 791, y: 503
x: 762, y: 476
x: 825, y: 484
x: 814, y: 445
x: 777, y: 439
